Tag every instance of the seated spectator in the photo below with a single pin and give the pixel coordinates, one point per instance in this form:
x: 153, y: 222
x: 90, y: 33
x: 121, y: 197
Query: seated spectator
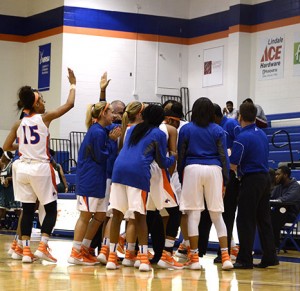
x: 7, y: 199
x: 229, y: 111
x: 61, y: 182
x: 287, y: 190
x: 261, y: 119
x: 272, y: 174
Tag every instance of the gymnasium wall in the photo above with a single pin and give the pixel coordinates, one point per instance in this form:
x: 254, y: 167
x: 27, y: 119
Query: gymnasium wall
x: 147, y: 47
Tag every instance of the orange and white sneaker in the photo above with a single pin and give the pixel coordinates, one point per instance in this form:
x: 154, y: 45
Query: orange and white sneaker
x: 168, y: 262
x: 150, y: 255
x: 145, y: 265
x: 87, y: 253
x: 121, y: 245
x: 18, y: 253
x: 78, y: 258
x: 137, y: 260
x: 234, y: 252
x: 112, y: 263
x: 130, y: 258
x: 182, y: 252
x: 43, y: 253
x: 193, y: 262
x: 12, y: 247
x: 226, y: 262
x: 28, y: 256
x: 103, y: 256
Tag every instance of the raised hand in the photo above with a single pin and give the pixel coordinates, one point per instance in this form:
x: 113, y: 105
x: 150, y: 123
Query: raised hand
x: 71, y: 77
x: 104, y: 82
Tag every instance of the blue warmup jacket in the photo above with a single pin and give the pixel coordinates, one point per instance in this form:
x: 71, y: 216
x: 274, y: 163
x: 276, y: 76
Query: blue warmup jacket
x: 203, y: 146
x: 132, y: 166
x: 232, y: 129
x: 91, y: 169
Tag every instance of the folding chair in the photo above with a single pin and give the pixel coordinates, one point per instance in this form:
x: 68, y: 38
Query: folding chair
x: 288, y: 233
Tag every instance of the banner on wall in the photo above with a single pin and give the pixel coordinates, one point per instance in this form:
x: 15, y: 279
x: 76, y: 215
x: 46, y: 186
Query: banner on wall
x: 296, y: 56
x: 270, y: 56
x: 213, y: 66
x: 44, y: 67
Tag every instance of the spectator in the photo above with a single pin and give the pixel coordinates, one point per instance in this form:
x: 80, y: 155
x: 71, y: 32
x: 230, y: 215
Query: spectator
x: 287, y: 190
x: 7, y: 199
x: 261, y: 119
x: 229, y: 111
x: 61, y: 182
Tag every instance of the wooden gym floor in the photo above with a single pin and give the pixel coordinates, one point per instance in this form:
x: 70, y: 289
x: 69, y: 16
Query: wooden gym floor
x: 43, y: 276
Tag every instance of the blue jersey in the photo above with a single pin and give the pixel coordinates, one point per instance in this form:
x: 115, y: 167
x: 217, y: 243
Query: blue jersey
x: 92, y: 163
x: 250, y: 151
x: 132, y: 166
x: 232, y: 129
x: 114, y: 151
x: 204, y: 146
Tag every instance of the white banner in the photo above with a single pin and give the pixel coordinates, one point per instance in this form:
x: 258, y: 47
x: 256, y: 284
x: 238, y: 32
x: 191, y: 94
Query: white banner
x: 213, y: 66
x: 271, y: 58
x: 296, y: 56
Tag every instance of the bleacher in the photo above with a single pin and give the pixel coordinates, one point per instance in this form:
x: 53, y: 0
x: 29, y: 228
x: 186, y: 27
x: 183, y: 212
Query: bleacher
x: 284, y: 141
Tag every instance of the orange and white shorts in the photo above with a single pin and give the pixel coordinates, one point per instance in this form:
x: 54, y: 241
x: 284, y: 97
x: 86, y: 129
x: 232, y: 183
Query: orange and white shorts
x: 199, y: 182
x: 91, y: 204
x: 161, y: 193
x: 126, y: 198
x: 34, y: 180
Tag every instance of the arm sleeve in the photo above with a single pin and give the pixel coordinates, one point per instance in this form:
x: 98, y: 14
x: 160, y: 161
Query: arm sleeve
x: 222, y: 150
x: 181, y: 150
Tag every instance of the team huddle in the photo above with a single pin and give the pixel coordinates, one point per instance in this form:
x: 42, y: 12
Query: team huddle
x: 151, y: 165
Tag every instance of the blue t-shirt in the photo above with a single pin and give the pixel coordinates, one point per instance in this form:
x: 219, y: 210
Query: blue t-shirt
x: 250, y: 151
x: 132, y: 166
x: 204, y: 146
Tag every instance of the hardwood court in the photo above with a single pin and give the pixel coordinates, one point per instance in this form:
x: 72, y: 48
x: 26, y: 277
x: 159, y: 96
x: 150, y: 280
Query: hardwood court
x: 61, y: 276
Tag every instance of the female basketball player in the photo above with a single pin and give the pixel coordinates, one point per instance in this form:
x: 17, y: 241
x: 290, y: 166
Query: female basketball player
x: 34, y: 176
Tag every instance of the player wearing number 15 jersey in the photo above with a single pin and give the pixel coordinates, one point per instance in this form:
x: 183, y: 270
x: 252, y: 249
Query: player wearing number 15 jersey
x: 33, y: 174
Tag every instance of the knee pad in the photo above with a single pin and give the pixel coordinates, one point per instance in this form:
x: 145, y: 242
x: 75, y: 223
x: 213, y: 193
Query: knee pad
x: 50, y: 218
x: 27, y: 218
x: 217, y: 220
x: 193, y: 222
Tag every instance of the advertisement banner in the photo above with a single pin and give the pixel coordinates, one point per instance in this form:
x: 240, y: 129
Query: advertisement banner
x: 213, y: 66
x: 271, y: 58
x: 44, y: 67
x: 296, y: 55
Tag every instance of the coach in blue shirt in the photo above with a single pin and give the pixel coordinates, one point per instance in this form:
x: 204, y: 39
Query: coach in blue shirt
x: 249, y: 159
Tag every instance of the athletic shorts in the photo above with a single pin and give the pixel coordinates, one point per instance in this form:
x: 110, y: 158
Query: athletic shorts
x: 161, y: 194
x: 34, y: 180
x: 199, y: 182
x: 124, y: 198
x: 91, y: 204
